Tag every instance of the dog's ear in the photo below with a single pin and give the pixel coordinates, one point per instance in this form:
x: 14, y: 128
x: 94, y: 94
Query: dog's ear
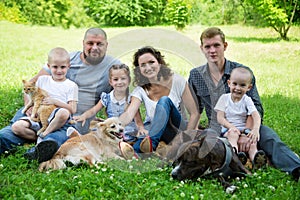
x: 100, y: 125
x: 206, y: 145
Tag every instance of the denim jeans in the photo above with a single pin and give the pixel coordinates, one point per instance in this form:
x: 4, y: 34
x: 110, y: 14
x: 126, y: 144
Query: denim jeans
x: 165, y: 117
x: 8, y: 140
x: 282, y: 157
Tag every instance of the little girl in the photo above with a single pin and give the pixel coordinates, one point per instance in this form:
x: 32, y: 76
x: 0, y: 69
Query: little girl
x: 116, y: 101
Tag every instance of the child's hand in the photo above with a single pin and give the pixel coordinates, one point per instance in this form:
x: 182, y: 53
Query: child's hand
x: 234, y: 130
x: 80, y: 118
x: 48, y: 101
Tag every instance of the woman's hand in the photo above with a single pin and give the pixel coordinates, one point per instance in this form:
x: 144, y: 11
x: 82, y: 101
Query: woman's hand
x: 142, y: 131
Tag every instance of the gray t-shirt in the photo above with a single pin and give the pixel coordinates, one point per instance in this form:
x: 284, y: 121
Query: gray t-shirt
x: 92, y: 80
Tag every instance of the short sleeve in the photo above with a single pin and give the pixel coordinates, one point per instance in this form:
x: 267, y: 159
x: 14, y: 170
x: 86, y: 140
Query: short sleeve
x: 250, y: 105
x: 104, y: 98
x: 221, y: 104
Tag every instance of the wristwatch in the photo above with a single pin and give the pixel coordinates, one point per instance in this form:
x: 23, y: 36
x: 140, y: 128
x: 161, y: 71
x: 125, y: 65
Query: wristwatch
x: 247, y: 131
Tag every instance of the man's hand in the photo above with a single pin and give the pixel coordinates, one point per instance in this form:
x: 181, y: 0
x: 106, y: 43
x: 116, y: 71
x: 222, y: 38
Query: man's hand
x: 244, y: 143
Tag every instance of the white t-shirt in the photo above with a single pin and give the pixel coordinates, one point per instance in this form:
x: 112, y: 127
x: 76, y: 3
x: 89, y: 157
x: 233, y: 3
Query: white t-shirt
x: 176, y: 92
x: 236, y: 112
x: 63, y: 91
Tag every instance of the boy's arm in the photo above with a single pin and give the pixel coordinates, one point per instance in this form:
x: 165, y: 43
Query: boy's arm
x: 71, y: 106
x: 223, y: 121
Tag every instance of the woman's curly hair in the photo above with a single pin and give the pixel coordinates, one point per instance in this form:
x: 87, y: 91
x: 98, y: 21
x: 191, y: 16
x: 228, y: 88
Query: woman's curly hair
x: 139, y: 79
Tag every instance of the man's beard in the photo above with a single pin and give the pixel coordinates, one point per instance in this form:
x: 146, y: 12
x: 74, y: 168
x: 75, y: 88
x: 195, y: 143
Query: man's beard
x: 92, y: 60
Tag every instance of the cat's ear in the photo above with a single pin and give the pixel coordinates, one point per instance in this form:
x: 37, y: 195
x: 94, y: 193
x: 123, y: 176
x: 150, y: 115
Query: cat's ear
x: 24, y: 81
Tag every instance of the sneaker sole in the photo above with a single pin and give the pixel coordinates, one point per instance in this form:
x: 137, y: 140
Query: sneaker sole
x: 242, y: 157
x: 128, y: 155
x: 146, y: 142
x: 260, y: 160
x: 45, y: 150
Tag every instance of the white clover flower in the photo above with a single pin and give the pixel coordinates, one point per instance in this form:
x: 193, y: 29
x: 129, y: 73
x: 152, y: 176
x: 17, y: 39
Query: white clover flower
x: 1, y: 165
x: 271, y: 187
x: 130, y: 167
x: 182, y: 194
x: 237, y: 178
x: 245, y: 185
x: 104, y: 169
x: 43, y: 190
x: 201, y: 196
x: 79, y: 182
x: 111, y: 177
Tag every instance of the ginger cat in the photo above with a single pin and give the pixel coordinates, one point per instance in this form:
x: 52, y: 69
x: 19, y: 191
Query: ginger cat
x: 40, y: 112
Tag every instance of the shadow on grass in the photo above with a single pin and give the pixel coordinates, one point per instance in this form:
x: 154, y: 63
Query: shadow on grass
x: 253, y: 39
x: 257, y: 39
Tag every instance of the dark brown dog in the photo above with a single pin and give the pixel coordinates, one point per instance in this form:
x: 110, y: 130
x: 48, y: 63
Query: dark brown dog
x: 204, y: 154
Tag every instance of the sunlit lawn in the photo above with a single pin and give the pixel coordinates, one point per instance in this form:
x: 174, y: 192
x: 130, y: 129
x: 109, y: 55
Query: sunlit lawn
x: 23, y: 51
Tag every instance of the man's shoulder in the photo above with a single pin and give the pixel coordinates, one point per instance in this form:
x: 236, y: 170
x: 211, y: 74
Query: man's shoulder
x: 110, y: 60
x: 200, y: 69
x: 74, y: 55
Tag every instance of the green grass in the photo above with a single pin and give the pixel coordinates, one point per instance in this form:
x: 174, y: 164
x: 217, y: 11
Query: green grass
x: 23, y: 51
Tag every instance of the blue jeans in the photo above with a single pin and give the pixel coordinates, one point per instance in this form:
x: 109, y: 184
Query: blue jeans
x: 161, y: 129
x: 8, y: 140
x: 282, y: 157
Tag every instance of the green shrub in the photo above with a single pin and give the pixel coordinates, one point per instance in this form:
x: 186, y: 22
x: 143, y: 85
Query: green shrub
x: 177, y: 13
x: 52, y: 12
x: 11, y: 13
x: 77, y: 15
x: 126, y: 12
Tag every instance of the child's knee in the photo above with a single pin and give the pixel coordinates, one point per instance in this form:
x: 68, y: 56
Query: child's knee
x: 63, y: 114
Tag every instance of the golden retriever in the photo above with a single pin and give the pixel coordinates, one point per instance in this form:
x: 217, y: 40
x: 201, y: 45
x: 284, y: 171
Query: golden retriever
x: 91, y: 148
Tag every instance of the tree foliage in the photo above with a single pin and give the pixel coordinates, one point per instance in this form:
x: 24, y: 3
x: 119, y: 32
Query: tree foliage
x: 278, y: 14
x: 126, y: 12
x: 177, y: 13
